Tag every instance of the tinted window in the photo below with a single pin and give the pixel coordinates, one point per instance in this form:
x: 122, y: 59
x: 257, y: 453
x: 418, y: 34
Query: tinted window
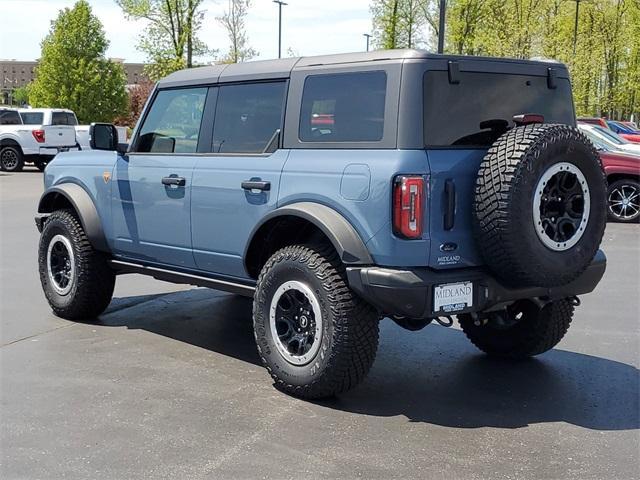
x: 9, y: 117
x: 476, y: 111
x: 63, y: 118
x: 343, y: 108
x: 173, y: 122
x: 247, y: 117
x: 32, y: 118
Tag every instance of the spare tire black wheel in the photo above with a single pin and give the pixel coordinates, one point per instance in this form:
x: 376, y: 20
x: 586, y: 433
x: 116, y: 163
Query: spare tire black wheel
x: 540, y: 205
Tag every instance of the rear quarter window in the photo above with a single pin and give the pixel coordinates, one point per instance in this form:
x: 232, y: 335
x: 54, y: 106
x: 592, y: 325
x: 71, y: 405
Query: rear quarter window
x: 346, y: 107
x: 32, y: 118
x: 478, y: 109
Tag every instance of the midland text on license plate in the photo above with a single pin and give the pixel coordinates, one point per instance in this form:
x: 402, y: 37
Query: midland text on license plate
x: 452, y: 297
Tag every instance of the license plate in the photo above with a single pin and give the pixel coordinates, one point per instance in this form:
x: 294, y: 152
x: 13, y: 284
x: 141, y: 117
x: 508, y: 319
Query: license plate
x: 452, y: 297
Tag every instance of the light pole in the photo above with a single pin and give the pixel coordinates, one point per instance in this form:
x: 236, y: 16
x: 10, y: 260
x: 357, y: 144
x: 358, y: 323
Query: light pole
x: 443, y: 8
x: 575, y: 26
x: 368, y: 36
x: 280, y: 4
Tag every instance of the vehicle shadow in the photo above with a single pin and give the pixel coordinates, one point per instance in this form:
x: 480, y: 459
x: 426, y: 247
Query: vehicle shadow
x: 201, y: 317
x: 434, y: 376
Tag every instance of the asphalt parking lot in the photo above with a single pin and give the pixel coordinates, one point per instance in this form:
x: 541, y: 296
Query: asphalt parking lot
x: 167, y: 384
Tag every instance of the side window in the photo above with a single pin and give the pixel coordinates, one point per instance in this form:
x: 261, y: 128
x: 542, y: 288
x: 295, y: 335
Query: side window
x: 10, y: 117
x: 247, y: 117
x: 173, y: 122
x: 32, y: 118
x: 346, y: 107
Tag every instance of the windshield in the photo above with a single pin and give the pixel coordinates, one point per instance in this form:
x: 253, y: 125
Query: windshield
x: 476, y: 111
x: 32, y: 118
x: 599, y: 142
x: 613, y: 137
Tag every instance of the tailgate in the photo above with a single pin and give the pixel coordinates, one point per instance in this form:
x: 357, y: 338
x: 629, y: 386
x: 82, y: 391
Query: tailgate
x: 450, y: 216
x: 59, y: 136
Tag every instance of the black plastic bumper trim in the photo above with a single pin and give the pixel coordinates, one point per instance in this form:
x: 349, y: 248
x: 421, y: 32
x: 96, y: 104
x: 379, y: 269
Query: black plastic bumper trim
x: 409, y: 292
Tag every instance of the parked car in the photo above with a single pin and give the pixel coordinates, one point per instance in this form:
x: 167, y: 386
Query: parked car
x: 35, y: 144
x: 624, y: 131
x: 62, y: 116
x: 594, y: 121
x: 623, y: 177
x: 609, y: 139
x: 631, y: 125
x: 432, y: 192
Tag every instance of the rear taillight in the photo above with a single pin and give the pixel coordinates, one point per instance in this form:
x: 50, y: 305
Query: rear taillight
x: 408, y: 206
x: 38, y: 135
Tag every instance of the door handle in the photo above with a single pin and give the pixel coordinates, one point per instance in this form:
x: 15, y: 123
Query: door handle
x: 177, y: 181
x: 256, y: 185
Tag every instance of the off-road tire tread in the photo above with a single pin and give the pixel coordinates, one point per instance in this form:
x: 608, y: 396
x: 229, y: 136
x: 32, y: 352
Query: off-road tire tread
x: 544, y: 332
x: 95, y: 279
x: 355, y: 324
x: 499, y: 175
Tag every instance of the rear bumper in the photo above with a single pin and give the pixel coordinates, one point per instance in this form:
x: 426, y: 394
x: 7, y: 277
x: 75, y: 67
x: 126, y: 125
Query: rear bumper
x: 53, y: 151
x: 409, y: 292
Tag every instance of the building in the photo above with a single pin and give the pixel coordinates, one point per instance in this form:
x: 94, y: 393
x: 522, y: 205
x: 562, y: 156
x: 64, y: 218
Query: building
x: 16, y: 73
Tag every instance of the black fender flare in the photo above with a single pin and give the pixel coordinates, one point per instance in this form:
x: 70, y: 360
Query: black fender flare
x: 84, y: 207
x: 344, y: 238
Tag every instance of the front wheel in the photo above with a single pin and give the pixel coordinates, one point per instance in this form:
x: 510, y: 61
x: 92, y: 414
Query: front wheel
x: 314, y: 335
x: 623, y: 201
x: 76, y: 279
x: 521, y: 330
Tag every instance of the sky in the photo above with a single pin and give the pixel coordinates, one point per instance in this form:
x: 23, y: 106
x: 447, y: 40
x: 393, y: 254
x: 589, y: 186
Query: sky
x: 309, y: 27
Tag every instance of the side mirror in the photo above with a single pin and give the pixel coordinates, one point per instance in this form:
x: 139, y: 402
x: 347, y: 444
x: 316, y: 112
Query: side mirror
x: 103, y: 136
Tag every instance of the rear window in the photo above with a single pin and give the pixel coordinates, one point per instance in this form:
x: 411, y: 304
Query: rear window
x: 63, y: 118
x: 32, y: 118
x: 345, y: 107
x: 9, y: 117
x: 476, y: 111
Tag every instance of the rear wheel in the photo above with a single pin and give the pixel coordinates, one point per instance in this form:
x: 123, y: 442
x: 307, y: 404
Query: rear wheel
x: 314, y: 335
x: 623, y: 201
x: 11, y: 159
x: 76, y: 279
x: 40, y: 164
x: 521, y: 330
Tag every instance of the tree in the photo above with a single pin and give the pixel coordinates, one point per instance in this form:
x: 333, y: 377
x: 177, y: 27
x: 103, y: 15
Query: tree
x: 397, y: 23
x: 138, y: 95
x: 73, y: 71
x: 233, y: 20
x: 21, y: 95
x: 170, y: 40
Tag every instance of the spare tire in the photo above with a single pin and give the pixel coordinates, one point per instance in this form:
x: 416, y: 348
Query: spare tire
x: 540, y: 205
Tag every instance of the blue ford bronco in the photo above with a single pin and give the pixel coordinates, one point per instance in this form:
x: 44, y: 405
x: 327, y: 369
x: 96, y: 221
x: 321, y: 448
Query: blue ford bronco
x: 336, y: 191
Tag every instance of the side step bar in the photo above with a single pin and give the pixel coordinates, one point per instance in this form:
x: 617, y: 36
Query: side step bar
x: 122, y: 267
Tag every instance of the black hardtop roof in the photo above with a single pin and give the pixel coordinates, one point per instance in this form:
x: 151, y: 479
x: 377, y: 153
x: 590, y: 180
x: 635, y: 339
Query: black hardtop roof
x: 282, y: 68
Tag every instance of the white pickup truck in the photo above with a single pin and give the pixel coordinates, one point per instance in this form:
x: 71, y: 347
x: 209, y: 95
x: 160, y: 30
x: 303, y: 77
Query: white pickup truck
x: 37, y: 143
x: 62, y: 116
